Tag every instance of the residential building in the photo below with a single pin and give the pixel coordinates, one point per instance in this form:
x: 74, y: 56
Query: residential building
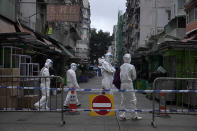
x: 125, y: 36
x: 145, y: 18
x: 175, y: 29
x: 66, y: 32
x: 114, y: 44
x: 30, y: 30
x: 119, y: 37
x: 82, y: 47
x: 73, y: 35
x: 191, y: 19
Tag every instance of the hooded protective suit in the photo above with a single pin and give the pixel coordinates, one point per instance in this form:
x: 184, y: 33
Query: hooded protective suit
x: 128, y: 99
x: 44, y: 85
x: 108, y: 72
x: 71, y: 82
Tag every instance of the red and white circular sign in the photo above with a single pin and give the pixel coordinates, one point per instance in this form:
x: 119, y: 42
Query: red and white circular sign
x: 101, y: 102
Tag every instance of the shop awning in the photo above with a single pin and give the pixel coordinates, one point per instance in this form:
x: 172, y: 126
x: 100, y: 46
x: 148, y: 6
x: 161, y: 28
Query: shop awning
x: 65, y: 51
x: 189, y: 39
x: 26, y: 40
x: 48, y: 40
x: 6, y: 27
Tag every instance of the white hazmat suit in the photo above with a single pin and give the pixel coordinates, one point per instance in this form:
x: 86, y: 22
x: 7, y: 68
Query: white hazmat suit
x: 71, y: 82
x: 44, y: 85
x: 128, y: 99
x: 107, y: 72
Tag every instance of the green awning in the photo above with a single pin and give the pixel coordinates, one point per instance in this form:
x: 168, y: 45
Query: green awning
x: 66, y: 51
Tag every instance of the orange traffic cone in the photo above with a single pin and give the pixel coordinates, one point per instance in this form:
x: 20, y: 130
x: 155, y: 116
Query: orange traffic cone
x: 162, y: 107
x: 73, y: 101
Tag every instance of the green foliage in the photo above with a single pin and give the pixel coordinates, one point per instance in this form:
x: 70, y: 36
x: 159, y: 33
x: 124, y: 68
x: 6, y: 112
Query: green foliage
x: 99, y: 43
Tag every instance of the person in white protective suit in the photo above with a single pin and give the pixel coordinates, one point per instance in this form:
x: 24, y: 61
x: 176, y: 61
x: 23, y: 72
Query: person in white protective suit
x: 128, y: 99
x: 45, y: 85
x: 108, y: 72
x: 71, y: 82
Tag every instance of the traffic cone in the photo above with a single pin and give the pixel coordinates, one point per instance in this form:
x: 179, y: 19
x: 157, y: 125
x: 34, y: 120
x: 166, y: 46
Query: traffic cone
x: 162, y: 107
x: 103, y: 92
x: 73, y: 101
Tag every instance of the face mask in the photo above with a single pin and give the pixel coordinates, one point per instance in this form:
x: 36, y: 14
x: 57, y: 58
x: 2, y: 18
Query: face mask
x: 74, y: 68
x: 51, y: 64
x: 109, y: 58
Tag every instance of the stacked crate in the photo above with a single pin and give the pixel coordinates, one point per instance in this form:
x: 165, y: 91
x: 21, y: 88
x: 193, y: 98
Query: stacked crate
x: 8, y: 91
x: 13, y: 97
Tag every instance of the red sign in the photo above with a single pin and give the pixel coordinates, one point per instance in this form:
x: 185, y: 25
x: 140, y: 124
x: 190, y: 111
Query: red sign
x: 69, y: 13
x: 101, y: 102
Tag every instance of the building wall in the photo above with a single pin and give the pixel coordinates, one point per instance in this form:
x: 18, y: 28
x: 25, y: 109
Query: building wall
x: 191, y: 17
x: 146, y: 20
x: 177, y: 8
x: 27, y: 13
x: 82, y: 47
x: 61, y: 31
x: 8, y: 9
x: 114, y: 43
x: 178, y: 33
x: 176, y: 25
x: 6, y: 27
x: 153, y: 18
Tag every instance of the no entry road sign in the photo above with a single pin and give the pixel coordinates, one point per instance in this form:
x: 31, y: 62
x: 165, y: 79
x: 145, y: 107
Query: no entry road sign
x: 101, y: 102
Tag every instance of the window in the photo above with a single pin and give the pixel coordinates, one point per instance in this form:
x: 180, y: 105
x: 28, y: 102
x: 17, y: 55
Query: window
x: 181, y: 4
x: 181, y: 22
x: 7, y: 57
x: 191, y: 15
x: 187, y: 17
x: 169, y: 14
x: 1, y: 57
x: 196, y: 13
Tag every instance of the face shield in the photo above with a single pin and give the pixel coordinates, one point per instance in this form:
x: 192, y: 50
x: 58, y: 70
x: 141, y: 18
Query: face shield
x: 74, y: 66
x: 108, y: 57
x: 49, y: 63
x: 127, y: 58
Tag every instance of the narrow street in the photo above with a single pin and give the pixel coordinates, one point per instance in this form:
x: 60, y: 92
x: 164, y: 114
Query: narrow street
x: 41, y: 121
x: 45, y: 44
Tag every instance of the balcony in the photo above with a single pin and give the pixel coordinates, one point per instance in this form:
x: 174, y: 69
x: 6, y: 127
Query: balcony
x: 189, y: 4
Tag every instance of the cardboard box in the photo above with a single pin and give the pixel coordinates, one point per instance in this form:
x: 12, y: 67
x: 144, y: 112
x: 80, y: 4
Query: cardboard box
x: 11, y: 92
x: 8, y: 92
x: 28, y: 101
x: 8, y: 102
x: 9, y: 81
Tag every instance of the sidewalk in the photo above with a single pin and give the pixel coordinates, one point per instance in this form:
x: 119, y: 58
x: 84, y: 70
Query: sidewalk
x: 84, y: 122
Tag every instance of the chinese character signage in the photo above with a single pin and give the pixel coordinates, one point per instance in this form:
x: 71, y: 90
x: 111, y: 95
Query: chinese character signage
x: 69, y: 13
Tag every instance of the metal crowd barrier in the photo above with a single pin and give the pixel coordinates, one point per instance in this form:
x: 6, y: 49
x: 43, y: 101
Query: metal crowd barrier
x: 20, y: 93
x: 153, y: 91
x: 178, y: 96
x: 23, y: 85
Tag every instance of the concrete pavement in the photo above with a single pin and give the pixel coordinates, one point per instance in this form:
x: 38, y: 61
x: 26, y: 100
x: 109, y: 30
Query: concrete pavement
x: 84, y: 122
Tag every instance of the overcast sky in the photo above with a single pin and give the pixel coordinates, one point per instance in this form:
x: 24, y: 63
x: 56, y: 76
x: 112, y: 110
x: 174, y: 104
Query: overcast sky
x: 104, y: 13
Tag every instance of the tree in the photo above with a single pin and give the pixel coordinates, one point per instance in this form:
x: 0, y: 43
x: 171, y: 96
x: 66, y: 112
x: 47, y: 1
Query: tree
x: 99, y: 43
